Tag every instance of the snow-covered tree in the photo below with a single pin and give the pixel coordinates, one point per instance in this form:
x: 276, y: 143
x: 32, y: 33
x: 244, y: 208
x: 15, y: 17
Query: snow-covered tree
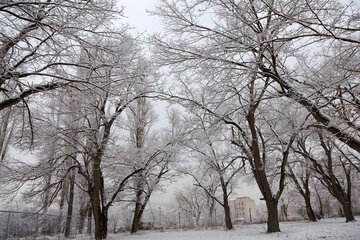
x: 40, y: 41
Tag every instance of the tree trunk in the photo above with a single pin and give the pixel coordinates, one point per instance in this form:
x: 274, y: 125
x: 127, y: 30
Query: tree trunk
x: 84, y: 208
x: 211, y: 213
x: 283, y: 208
x: 70, y: 204
x: 47, y: 190
x: 100, y: 219
x: 6, y: 130
x: 309, y: 210
x: 64, y: 192
x: 347, y: 212
x: 228, y: 222
x: 97, y: 199
x: 261, y: 178
x: 138, y: 204
x: 197, y: 219
x: 139, y: 210
x: 273, y: 217
x: 321, y: 212
x: 89, y: 222
x: 61, y: 206
x: 137, y: 217
x: 100, y: 226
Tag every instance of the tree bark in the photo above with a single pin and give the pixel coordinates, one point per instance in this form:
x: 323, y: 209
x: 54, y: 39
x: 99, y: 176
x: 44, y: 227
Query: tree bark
x: 97, y: 199
x: 321, y: 212
x: 100, y: 219
x: 347, y: 211
x: 228, y: 222
x: 70, y: 204
x: 197, y: 219
x: 100, y: 225
x: 139, y: 210
x: 84, y: 208
x: 64, y: 192
x: 273, y: 217
x: 309, y: 210
x: 211, y: 212
x: 137, y: 214
x: 89, y: 220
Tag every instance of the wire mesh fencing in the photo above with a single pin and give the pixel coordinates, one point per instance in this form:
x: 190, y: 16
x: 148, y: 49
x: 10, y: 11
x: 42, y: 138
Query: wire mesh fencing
x: 26, y: 225
x: 29, y: 225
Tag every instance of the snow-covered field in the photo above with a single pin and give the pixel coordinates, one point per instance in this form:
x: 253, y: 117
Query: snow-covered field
x: 328, y: 229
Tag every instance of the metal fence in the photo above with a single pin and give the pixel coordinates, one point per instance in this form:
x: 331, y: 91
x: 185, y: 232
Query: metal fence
x: 26, y: 225
x: 29, y: 225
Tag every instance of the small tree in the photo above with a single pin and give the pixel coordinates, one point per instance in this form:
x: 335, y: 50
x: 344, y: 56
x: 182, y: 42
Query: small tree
x: 192, y: 202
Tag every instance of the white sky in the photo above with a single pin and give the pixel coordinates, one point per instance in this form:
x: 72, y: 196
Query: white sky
x: 138, y: 17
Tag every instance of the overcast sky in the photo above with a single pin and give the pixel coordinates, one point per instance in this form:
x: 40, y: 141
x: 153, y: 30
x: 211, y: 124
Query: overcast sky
x: 137, y: 16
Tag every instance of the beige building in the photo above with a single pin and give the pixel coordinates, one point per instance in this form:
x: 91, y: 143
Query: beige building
x: 242, y: 209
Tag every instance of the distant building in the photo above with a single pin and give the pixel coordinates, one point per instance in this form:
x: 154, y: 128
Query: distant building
x: 242, y: 209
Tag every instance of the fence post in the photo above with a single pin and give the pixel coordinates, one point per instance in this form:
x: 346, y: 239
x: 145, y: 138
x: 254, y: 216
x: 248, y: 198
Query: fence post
x: 7, y: 226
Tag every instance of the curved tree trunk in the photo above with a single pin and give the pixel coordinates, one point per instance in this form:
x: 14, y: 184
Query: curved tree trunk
x: 258, y: 164
x: 139, y: 210
x: 309, y: 209
x: 347, y: 211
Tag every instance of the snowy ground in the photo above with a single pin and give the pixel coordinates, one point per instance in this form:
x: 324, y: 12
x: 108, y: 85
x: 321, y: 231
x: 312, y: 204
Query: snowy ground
x: 328, y: 229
